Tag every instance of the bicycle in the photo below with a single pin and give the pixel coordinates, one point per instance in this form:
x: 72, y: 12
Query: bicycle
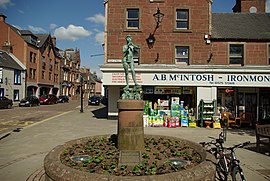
x: 227, y: 164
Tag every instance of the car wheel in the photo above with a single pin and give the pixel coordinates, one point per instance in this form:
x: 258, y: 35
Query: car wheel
x: 9, y: 106
x: 30, y: 105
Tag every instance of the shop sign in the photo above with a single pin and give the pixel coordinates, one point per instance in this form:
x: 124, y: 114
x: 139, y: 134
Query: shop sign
x: 214, y: 79
x: 190, y: 79
x: 119, y: 78
x: 114, y: 60
x: 229, y: 90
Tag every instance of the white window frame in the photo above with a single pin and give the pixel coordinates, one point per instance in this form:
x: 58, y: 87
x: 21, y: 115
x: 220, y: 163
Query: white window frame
x: 184, y: 56
x: 132, y: 19
x: 235, y: 56
x: 187, y: 20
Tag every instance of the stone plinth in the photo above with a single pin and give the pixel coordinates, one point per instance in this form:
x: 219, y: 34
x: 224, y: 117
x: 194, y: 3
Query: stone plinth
x: 130, y: 125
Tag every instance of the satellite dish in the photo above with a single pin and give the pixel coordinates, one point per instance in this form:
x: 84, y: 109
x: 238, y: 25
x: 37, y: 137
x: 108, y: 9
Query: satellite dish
x: 253, y: 9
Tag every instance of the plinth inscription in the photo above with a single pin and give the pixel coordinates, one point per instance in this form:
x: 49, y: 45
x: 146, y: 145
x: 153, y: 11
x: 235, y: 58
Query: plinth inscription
x: 129, y: 157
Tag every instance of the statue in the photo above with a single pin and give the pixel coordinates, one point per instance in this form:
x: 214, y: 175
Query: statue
x: 128, y: 62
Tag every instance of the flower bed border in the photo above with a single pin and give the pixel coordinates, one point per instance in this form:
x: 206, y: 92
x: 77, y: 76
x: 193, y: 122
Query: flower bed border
x: 55, y: 170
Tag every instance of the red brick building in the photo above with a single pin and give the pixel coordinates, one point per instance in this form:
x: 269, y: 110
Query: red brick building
x: 37, y: 53
x: 193, y: 54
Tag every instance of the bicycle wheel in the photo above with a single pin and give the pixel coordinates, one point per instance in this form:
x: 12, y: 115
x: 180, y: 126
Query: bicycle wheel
x: 237, y: 174
x: 221, y: 170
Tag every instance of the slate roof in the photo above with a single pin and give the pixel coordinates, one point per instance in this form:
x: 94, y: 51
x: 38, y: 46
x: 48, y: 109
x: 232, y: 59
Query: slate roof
x: 42, y: 39
x: 248, y: 26
x: 8, y: 62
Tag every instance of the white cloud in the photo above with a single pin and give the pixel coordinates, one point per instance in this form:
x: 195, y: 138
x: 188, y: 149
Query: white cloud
x: 53, y: 26
x: 97, y: 18
x: 100, y: 37
x: 5, y: 3
x: 72, y: 33
x: 36, y: 29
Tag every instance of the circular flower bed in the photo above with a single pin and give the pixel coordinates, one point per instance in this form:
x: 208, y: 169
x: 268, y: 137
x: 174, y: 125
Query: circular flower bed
x: 160, y: 157
x: 163, y: 158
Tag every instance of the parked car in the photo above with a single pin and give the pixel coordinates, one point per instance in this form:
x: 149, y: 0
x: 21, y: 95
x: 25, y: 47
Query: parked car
x: 29, y: 101
x: 62, y: 99
x: 94, y: 100
x: 48, y: 99
x: 5, y: 102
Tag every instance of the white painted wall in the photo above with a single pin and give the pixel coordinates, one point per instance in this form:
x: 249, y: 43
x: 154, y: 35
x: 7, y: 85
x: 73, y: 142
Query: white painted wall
x: 113, y: 97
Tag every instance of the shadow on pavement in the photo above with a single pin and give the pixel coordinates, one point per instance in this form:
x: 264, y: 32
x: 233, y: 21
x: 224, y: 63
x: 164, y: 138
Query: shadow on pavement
x: 242, y: 131
x: 101, y: 113
x: 264, y: 149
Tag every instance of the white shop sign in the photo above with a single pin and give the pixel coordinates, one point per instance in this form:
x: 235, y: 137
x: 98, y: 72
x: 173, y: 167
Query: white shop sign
x: 191, y: 79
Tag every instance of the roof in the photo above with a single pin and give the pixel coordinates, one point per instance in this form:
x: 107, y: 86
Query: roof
x: 253, y: 26
x: 42, y: 39
x: 8, y: 61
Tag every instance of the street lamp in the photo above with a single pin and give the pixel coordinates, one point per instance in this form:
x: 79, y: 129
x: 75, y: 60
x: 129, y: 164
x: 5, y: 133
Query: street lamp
x: 158, y: 17
x: 81, y: 81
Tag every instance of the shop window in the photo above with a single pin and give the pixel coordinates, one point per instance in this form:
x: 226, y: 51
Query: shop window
x: 17, y: 76
x: 236, y: 54
x: 133, y: 18
x: 182, y: 19
x: 182, y: 55
x: 16, y: 94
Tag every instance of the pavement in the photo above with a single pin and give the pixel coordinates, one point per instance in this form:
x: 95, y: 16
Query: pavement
x: 22, y: 153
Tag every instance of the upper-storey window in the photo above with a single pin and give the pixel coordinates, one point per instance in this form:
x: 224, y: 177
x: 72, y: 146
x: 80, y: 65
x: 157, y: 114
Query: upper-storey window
x: 1, y: 75
x: 182, y: 19
x: 182, y: 55
x: 133, y: 18
x: 136, y: 56
x: 237, y: 54
x: 17, y: 76
x: 268, y: 54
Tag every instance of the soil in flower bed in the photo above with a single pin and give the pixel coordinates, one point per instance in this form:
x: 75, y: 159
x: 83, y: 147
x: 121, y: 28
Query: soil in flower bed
x: 155, y: 159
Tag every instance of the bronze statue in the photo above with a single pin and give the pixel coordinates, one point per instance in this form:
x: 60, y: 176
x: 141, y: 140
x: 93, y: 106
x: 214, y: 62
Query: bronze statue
x: 128, y: 62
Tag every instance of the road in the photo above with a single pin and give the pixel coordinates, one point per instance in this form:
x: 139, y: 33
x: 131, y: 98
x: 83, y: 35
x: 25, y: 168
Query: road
x: 15, y: 119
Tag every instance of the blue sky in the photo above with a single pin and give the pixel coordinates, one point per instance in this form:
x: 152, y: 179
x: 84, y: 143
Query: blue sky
x: 76, y: 24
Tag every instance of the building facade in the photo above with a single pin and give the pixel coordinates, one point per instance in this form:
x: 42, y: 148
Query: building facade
x: 188, y: 55
x: 50, y: 70
x: 12, y: 77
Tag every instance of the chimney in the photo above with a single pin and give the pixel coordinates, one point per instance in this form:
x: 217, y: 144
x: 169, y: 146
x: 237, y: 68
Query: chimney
x: 249, y: 6
x: 2, y: 18
x: 54, y: 41
x: 7, y: 47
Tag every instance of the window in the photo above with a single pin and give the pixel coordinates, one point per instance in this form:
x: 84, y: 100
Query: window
x: 268, y: 57
x: 182, y: 54
x: 34, y: 73
x: 31, y: 56
x: 34, y: 57
x: 133, y: 18
x: 1, y: 75
x: 17, y: 77
x: 182, y: 19
x: 2, y: 92
x: 236, y: 54
x: 136, y: 56
x: 16, y: 96
x: 30, y: 73
x: 50, y: 76
x: 43, y: 62
x: 43, y: 75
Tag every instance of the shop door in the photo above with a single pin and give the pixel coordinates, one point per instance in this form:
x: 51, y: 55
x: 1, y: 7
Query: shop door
x: 251, y: 107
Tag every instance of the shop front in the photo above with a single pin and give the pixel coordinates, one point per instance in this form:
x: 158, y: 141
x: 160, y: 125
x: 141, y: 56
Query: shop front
x: 235, y: 90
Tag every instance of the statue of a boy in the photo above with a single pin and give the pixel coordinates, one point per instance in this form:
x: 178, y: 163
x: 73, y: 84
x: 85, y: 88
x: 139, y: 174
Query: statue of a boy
x: 128, y: 61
